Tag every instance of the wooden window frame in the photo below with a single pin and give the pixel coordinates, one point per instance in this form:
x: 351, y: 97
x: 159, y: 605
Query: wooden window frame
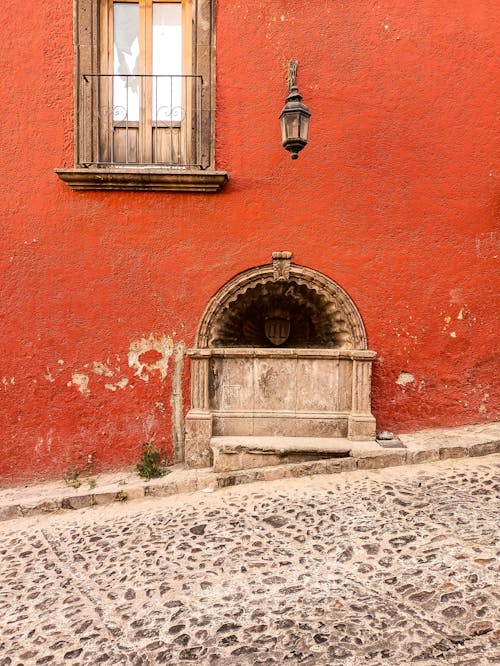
x: 88, y: 59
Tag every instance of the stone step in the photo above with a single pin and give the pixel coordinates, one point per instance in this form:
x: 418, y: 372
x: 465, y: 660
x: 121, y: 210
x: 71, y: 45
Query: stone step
x: 233, y: 453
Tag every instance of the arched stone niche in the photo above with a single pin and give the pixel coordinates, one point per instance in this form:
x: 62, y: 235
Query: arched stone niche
x: 281, y: 350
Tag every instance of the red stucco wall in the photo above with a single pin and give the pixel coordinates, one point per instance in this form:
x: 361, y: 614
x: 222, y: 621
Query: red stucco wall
x: 393, y: 198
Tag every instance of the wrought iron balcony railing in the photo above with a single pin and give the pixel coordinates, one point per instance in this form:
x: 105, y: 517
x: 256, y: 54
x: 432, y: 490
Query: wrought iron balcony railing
x: 144, y: 120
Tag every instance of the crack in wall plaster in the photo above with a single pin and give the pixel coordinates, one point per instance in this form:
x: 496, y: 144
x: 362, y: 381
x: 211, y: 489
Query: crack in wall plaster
x: 488, y: 245
x: 44, y: 443
x: 176, y: 402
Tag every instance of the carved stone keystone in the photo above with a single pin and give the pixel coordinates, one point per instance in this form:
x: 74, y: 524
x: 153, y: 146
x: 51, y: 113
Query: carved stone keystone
x: 281, y: 265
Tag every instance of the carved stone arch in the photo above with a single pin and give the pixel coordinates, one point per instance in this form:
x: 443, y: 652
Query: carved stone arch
x: 281, y: 352
x: 324, y: 314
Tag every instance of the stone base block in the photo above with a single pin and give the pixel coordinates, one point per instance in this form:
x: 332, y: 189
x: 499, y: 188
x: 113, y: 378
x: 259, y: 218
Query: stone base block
x: 361, y: 427
x: 484, y: 448
x: 197, y: 442
x: 239, y: 453
x: 446, y: 452
x: 421, y: 456
x: 384, y: 460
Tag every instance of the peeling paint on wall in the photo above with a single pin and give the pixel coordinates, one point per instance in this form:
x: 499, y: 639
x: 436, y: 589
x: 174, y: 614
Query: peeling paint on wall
x: 6, y: 381
x: 150, y: 355
x: 463, y: 316
x: 482, y: 407
x: 101, y: 369
x: 81, y: 382
x: 405, y: 378
x: 409, y: 250
x: 49, y: 376
x: 120, y: 384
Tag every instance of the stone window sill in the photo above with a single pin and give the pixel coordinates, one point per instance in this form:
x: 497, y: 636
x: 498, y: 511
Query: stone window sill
x: 143, y: 179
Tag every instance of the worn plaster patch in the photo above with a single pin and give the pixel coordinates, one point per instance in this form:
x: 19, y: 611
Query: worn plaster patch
x: 482, y: 407
x: 49, y: 376
x: 488, y: 245
x: 81, y: 382
x: 101, y: 369
x: 44, y: 443
x: 405, y: 378
x: 456, y: 296
x: 149, y: 355
x: 120, y: 384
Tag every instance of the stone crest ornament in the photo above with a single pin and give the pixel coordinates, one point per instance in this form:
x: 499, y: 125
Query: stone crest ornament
x: 277, y: 327
x: 281, y: 265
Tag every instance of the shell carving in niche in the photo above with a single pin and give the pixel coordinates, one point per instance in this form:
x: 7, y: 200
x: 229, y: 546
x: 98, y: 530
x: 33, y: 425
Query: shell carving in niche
x: 311, y: 319
x: 282, y: 306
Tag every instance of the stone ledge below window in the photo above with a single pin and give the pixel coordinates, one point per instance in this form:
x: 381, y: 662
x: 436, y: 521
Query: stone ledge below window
x: 150, y: 179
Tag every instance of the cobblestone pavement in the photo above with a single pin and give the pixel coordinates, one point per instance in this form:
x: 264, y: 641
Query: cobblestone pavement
x: 394, y: 566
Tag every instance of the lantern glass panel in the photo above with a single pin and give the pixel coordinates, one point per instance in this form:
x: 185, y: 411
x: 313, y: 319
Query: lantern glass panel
x: 304, y: 128
x: 293, y: 125
x: 284, y: 133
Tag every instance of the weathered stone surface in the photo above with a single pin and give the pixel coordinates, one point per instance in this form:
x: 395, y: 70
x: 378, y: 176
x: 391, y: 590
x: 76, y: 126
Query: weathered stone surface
x: 9, y: 512
x: 484, y: 448
x: 421, y: 456
x: 382, y: 460
x: 238, y: 453
x: 77, y: 501
x: 423, y: 446
x: 163, y: 490
x: 394, y: 566
x: 446, y: 452
x: 198, y: 430
x: 348, y: 464
x: 269, y: 371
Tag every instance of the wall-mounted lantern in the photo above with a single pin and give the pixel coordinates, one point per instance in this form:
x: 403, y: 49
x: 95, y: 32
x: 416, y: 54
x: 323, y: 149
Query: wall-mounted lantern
x: 294, y: 118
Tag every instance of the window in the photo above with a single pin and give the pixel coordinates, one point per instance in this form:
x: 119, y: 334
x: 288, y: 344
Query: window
x: 144, y: 96
x: 147, y: 99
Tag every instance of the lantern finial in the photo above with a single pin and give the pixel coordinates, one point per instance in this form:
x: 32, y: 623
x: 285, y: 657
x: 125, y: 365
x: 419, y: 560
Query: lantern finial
x: 293, y: 66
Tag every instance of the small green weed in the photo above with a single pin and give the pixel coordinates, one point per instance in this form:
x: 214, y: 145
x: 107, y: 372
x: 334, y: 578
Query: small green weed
x: 153, y: 462
x: 121, y: 496
x: 72, y: 474
x: 71, y: 477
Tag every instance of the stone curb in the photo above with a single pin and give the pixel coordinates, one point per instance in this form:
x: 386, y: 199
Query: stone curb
x: 209, y: 481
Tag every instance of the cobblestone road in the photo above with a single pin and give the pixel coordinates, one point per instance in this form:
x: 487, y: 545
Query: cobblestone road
x: 397, y: 566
